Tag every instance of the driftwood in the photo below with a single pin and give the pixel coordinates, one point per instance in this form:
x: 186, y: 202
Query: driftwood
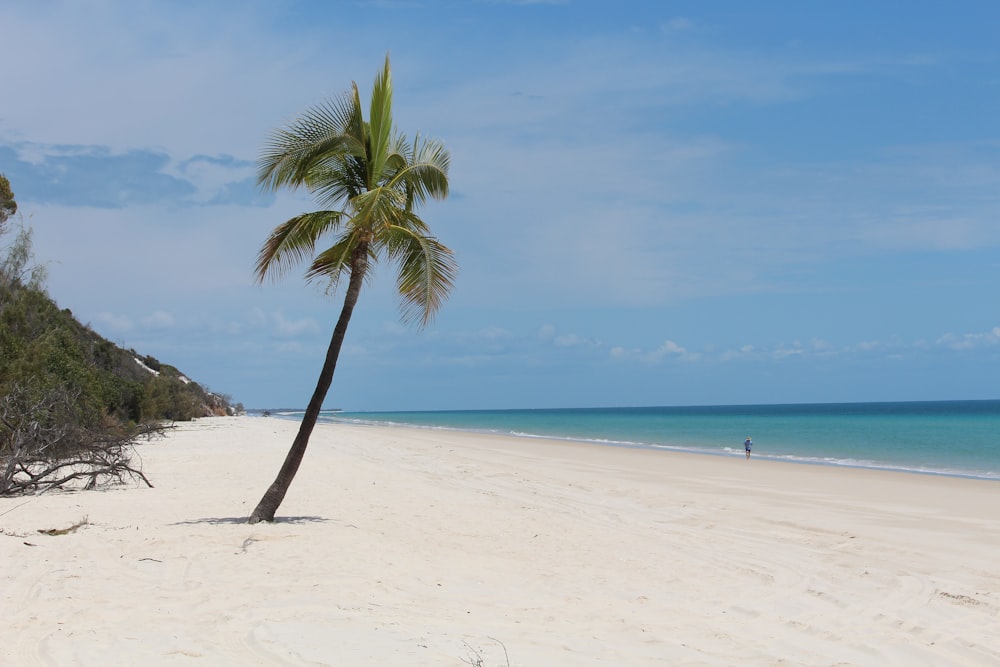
x: 41, y: 448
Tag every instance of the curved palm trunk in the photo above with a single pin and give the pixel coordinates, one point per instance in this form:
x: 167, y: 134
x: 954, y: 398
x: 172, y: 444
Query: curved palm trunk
x: 268, y: 505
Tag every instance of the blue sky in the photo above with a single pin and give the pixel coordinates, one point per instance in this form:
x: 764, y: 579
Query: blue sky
x: 653, y: 203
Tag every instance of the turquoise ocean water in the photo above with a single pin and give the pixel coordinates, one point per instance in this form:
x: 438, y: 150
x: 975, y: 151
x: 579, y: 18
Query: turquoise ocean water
x: 960, y: 438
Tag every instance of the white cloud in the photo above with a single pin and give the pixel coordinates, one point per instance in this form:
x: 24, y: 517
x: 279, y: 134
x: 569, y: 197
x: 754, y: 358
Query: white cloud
x: 395, y: 329
x: 158, y: 320
x: 227, y: 328
x: 789, y: 350
x: 293, y: 328
x: 527, y: 2
x: 493, y: 333
x: 568, y: 340
x: 666, y: 351
x: 671, y: 350
x: 820, y: 346
x: 678, y: 24
x: 741, y: 352
x: 971, y: 341
x: 548, y: 333
x: 115, y: 323
x: 625, y: 353
x: 136, y: 71
x: 212, y: 176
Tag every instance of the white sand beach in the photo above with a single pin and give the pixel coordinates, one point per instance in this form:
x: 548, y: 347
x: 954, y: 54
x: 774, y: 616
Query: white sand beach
x: 425, y: 547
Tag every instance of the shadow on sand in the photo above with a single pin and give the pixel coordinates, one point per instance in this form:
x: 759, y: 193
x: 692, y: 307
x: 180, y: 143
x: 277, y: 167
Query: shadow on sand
x: 243, y: 519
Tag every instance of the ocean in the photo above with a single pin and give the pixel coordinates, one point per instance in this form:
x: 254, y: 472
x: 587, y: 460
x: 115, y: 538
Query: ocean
x: 958, y: 438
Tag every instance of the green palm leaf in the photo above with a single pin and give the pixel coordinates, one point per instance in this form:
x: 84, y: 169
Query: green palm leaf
x: 427, y: 271
x: 334, y: 262
x: 380, y: 123
x: 293, y: 241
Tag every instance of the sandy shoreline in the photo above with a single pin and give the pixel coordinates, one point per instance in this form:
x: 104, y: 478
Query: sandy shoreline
x: 415, y: 547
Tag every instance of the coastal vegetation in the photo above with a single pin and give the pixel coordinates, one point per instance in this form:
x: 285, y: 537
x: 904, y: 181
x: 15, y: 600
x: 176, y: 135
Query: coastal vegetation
x: 8, y: 206
x: 71, y: 402
x: 370, y: 180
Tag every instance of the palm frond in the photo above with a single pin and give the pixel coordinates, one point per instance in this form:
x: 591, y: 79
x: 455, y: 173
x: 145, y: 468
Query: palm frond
x: 337, y: 184
x: 322, y: 136
x: 398, y: 155
x: 377, y: 208
x: 292, y: 241
x: 355, y: 125
x: 426, y: 272
x: 431, y: 152
x: 335, y: 261
x: 380, y: 123
x: 426, y: 172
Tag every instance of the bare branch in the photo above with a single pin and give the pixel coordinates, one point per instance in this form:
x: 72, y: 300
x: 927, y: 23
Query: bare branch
x: 42, y: 448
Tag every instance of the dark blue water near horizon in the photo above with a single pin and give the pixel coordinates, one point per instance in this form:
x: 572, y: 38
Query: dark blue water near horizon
x: 960, y: 438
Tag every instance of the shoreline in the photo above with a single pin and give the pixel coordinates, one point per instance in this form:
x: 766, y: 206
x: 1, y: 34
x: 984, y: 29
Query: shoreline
x: 401, y: 546
x: 723, y: 452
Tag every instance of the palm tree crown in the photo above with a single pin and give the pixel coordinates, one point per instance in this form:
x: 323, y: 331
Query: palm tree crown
x: 373, y: 179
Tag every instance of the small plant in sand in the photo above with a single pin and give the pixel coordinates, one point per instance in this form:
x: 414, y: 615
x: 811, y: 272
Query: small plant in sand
x: 475, y: 658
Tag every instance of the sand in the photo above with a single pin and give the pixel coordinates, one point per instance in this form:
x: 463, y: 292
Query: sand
x: 422, y: 547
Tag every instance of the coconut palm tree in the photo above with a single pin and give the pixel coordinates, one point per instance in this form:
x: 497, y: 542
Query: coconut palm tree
x: 369, y: 180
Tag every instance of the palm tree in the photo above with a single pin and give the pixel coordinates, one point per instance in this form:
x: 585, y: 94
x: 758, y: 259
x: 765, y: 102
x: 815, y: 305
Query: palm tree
x: 370, y: 180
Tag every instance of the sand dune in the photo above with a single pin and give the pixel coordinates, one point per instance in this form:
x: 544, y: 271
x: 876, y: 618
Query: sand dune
x: 421, y: 547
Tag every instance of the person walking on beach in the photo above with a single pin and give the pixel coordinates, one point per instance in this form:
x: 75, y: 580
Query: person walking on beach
x: 747, y: 444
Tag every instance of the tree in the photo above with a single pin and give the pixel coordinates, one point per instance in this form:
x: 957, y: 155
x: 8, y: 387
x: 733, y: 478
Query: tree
x: 370, y: 180
x: 8, y: 206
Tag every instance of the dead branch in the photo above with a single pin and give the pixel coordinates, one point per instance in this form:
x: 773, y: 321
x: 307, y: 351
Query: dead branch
x: 43, y: 448
x: 65, y: 531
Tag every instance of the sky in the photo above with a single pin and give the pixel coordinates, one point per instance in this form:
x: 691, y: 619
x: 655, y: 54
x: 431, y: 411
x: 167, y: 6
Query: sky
x: 652, y: 202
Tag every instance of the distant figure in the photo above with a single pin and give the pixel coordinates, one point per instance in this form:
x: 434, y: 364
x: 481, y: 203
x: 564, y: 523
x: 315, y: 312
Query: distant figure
x: 747, y: 444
